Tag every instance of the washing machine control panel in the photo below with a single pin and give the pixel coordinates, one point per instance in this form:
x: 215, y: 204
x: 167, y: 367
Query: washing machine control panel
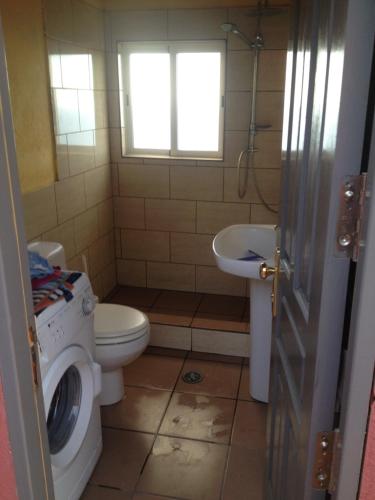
x: 72, y: 324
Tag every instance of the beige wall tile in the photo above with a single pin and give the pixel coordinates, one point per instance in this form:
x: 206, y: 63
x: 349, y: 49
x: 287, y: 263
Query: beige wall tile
x: 260, y: 215
x: 192, y: 249
x: 118, y: 249
x: 62, y: 157
x: 59, y: 19
x: 86, y: 228
x: 115, y: 181
x: 88, y: 27
x: 145, y: 245
x: 271, y: 70
x: 196, y: 24
x: 239, y: 70
x: 131, y: 272
x: 101, y: 110
x: 247, y: 24
x: 76, y: 263
x: 98, y: 70
x: 270, y: 109
x: 203, y: 183
x: 212, y: 217
x: 218, y: 342
x: 138, y: 25
x: 81, y: 152
x: 170, y: 215
x: 173, y: 337
x: 111, y: 67
x: 268, y: 181
x: 269, y: 150
x: 70, y: 197
x: 234, y: 143
x: 109, y: 279
x: 101, y: 254
x: 98, y: 185
x: 102, y: 156
x: 144, y: 180
x: 212, y: 280
x: 105, y: 216
x: 237, y: 110
x: 63, y: 234
x: 129, y: 212
x: 97, y: 286
x: 39, y: 208
x: 275, y: 30
x: 171, y: 276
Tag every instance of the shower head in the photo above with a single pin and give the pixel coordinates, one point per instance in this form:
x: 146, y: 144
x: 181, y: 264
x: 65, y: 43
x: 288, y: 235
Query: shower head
x: 232, y: 28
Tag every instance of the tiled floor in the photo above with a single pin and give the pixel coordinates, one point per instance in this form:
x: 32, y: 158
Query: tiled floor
x: 171, y: 440
x: 188, y: 309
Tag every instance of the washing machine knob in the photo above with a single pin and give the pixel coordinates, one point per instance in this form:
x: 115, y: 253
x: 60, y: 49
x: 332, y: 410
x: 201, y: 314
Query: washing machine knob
x: 88, y: 305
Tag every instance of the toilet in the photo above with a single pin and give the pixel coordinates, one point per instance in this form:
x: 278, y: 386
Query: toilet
x: 122, y: 333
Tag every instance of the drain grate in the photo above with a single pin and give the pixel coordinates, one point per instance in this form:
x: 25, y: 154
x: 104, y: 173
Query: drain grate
x: 192, y: 377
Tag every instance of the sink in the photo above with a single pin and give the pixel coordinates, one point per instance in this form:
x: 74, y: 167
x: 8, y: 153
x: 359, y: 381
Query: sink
x: 239, y: 250
x: 235, y: 245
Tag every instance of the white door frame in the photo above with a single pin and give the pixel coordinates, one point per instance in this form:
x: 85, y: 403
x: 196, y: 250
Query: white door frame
x: 359, y: 363
x: 23, y: 401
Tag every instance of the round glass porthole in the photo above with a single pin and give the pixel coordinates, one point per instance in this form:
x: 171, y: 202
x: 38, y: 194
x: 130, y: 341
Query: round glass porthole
x: 64, y: 410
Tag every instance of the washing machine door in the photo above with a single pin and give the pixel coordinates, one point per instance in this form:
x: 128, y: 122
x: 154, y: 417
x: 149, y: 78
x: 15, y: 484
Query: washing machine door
x: 69, y: 389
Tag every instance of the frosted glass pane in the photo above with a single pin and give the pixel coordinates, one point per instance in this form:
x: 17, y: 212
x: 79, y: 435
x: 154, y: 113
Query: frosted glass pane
x: 198, y: 101
x: 150, y: 100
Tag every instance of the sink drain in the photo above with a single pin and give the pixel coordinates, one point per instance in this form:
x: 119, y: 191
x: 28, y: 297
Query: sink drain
x: 192, y: 377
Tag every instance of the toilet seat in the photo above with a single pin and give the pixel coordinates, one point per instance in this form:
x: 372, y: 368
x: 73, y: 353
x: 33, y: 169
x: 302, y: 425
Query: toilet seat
x: 117, y: 324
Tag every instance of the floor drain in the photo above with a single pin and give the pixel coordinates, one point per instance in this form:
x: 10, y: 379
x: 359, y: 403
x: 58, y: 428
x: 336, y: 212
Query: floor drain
x: 192, y: 377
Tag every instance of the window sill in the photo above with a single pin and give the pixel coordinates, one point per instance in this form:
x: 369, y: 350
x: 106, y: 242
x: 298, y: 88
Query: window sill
x: 172, y: 158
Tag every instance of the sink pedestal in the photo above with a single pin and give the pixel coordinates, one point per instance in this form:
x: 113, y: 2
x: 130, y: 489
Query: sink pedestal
x: 260, y: 338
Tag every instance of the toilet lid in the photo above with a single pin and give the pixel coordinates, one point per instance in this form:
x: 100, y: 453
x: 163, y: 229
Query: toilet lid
x: 112, y: 321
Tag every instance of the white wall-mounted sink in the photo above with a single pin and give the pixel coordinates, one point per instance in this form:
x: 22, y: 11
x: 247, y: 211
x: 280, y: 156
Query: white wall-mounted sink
x: 236, y: 249
x: 240, y: 250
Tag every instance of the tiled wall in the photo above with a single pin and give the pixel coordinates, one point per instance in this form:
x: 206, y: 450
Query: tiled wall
x: 167, y: 211
x: 78, y: 209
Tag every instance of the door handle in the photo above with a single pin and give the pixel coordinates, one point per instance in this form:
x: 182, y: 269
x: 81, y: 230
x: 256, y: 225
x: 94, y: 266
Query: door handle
x: 265, y: 271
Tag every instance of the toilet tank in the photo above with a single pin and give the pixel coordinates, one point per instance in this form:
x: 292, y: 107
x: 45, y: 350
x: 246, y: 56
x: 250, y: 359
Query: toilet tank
x: 50, y: 250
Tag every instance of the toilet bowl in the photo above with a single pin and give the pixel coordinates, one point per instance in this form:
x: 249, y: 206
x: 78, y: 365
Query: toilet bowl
x: 122, y: 333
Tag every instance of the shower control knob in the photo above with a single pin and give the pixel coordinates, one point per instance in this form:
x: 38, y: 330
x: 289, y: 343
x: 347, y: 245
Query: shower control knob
x: 88, y: 305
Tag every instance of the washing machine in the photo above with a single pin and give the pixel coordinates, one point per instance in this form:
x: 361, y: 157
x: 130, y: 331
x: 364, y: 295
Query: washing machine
x: 71, y: 388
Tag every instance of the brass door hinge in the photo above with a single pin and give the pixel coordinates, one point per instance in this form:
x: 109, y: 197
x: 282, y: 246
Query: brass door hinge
x: 353, y: 195
x: 327, y: 460
x: 33, y: 345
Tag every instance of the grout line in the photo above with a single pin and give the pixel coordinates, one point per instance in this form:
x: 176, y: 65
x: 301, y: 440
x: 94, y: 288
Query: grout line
x: 160, y: 423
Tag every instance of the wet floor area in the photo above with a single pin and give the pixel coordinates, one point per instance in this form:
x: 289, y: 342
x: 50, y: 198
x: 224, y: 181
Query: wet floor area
x: 173, y: 439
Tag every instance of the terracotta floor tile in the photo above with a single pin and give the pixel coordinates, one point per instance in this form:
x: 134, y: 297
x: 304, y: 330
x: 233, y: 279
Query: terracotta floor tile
x: 245, y: 475
x: 220, y: 358
x: 209, y: 321
x: 181, y: 301
x: 165, y: 351
x: 146, y: 496
x: 135, y: 296
x: 140, y: 410
x: 124, y: 454
x: 153, y: 372
x: 101, y: 493
x: 244, y: 392
x: 249, y: 427
x: 224, y: 305
x: 185, y: 469
x: 219, y: 379
x: 200, y: 417
x: 170, y: 317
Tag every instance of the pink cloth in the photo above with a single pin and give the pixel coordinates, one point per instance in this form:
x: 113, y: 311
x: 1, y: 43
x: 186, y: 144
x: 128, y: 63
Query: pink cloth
x: 367, y: 488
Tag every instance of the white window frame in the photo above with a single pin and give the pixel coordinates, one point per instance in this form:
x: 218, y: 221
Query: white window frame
x: 172, y: 48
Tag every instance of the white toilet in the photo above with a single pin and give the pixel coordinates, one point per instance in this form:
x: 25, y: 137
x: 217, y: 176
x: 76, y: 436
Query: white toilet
x: 122, y: 333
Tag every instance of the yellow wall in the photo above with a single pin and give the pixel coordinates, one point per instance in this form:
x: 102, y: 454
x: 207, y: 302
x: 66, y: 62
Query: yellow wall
x: 29, y: 87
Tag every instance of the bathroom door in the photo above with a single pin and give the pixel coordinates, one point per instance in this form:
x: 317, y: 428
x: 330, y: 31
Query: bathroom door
x: 327, y: 84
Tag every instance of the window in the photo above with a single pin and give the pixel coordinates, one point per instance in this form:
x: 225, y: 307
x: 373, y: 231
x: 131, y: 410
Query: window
x: 172, y: 98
